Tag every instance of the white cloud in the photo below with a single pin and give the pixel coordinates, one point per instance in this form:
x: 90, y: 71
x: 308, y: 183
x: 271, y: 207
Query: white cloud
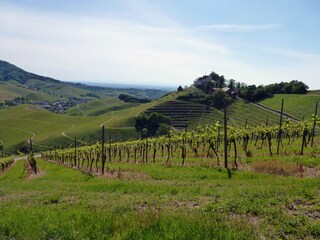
x: 238, y: 27
x: 109, y: 49
x: 95, y: 49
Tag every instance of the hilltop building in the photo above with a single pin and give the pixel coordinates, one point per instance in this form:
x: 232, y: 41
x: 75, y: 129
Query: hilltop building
x: 201, y: 82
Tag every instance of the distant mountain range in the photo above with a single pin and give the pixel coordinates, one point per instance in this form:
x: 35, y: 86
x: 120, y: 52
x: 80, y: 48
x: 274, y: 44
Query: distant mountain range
x: 13, y: 77
x: 126, y: 86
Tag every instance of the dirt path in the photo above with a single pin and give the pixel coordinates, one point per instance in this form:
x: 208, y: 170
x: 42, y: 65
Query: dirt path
x: 78, y: 107
x: 275, y: 111
x: 65, y: 135
x: 24, y: 130
x: 112, y: 117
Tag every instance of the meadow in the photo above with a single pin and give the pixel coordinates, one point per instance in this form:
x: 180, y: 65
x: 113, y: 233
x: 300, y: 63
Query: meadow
x: 268, y: 197
x: 297, y: 105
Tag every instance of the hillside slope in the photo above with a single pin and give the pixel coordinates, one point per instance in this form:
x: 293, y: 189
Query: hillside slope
x: 296, y: 105
x: 13, y: 79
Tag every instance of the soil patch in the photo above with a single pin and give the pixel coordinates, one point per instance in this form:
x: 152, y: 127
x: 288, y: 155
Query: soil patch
x: 284, y: 169
x: 298, y: 208
x: 124, y: 175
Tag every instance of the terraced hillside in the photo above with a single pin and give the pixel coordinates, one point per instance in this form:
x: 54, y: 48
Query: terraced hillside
x: 191, y: 114
x: 182, y: 113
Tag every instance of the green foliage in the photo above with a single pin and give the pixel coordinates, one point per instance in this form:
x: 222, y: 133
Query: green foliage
x: 220, y: 98
x: 254, y: 93
x: 163, y: 129
x: 220, y: 79
x: 155, y: 124
x: 133, y: 99
x: 216, y: 100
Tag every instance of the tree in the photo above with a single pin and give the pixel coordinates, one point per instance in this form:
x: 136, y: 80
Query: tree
x: 219, y: 98
x: 141, y: 123
x: 209, y: 87
x: 214, y: 76
x: 232, y: 84
x: 163, y: 129
x: 148, y: 126
x: 299, y: 87
x: 180, y: 89
x: 221, y: 82
x: 247, y: 92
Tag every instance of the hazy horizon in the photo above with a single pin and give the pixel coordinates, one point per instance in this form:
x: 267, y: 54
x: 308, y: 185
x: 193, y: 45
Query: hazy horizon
x: 163, y: 43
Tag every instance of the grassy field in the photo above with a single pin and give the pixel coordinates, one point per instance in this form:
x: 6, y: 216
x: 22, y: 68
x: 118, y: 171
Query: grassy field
x: 17, y: 124
x: 158, y: 201
x: 10, y: 90
x: 99, y: 106
x: 297, y: 105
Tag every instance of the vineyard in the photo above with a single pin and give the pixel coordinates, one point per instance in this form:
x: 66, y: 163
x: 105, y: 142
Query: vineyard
x: 5, y: 163
x: 209, y: 143
x: 213, y: 182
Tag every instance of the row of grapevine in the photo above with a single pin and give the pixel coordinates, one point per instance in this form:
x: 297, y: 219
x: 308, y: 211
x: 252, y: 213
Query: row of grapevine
x: 204, y: 142
x: 5, y: 163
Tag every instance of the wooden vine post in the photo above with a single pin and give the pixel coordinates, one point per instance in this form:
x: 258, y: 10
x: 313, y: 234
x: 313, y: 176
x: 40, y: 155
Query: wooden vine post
x: 280, y: 127
x: 225, y: 136
x: 32, y: 161
x: 75, y: 152
x: 103, y: 154
x: 314, y: 124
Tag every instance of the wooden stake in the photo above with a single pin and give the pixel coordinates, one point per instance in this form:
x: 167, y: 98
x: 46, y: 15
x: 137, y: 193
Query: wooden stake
x: 225, y: 136
x: 280, y: 127
x: 314, y: 124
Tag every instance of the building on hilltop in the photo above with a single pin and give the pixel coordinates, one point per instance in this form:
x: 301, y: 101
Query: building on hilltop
x: 201, y: 82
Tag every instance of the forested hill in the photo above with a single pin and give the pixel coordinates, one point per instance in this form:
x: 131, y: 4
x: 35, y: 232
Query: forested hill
x: 10, y: 73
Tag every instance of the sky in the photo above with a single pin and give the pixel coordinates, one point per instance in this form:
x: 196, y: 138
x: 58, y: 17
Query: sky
x: 163, y: 43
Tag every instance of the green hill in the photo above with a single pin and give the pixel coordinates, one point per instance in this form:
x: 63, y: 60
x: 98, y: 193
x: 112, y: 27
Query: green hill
x: 17, y: 124
x: 84, y: 121
x: 297, y: 105
x: 16, y: 82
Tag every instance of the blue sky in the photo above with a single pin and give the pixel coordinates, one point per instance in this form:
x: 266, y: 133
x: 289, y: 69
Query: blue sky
x: 167, y: 42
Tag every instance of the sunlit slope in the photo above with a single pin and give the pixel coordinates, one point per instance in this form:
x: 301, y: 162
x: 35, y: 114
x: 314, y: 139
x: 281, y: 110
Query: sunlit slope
x: 297, y: 105
x: 99, y: 106
x: 191, y: 114
x: 20, y: 123
x: 11, y: 90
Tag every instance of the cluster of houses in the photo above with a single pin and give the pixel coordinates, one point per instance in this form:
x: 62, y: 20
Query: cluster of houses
x: 61, y: 106
x: 202, y: 82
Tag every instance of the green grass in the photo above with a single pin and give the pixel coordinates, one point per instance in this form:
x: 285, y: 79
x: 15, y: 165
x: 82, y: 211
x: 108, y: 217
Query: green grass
x: 297, y: 105
x: 11, y: 90
x: 18, y: 124
x: 157, y: 201
x: 239, y: 112
x: 99, y: 107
